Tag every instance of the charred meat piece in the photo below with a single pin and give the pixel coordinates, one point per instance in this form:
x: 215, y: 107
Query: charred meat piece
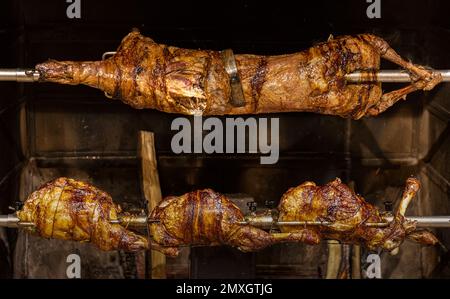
x: 207, y: 218
x: 72, y: 210
x: 145, y: 74
x: 349, y: 215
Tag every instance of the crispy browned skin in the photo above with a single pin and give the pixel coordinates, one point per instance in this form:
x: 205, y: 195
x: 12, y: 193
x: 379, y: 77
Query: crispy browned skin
x: 349, y: 213
x: 72, y: 210
x: 206, y: 217
x: 145, y: 74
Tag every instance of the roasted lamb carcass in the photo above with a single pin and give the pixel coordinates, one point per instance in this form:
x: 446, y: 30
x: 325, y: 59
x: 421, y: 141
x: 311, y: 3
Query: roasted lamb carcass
x: 72, y: 210
x: 145, y: 74
x: 207, y: 218
x: 349, y: 216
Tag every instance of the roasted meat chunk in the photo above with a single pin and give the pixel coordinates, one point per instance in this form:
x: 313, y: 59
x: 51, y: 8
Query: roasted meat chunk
x: 348, y: 216
x: 72, y: 210
x: 209, y: 218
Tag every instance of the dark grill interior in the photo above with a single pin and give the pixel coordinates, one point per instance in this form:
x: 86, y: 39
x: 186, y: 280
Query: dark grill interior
x: 47, y: 131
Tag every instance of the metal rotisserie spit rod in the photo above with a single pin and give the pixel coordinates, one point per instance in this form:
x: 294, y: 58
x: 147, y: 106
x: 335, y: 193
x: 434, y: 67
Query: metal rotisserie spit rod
x: 264, y: 221
x: 385, y: 76
x: 267, y: 221
x: 13, y: 221
x: 19, y: 75
x: 388, y: 76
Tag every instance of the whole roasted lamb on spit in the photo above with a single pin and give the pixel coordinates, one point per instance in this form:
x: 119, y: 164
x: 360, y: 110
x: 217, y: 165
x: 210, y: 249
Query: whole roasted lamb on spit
x: 145, y: 74
x: 73, y: 210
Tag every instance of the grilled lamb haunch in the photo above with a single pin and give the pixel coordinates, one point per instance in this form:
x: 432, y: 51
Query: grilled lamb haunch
x: 349, y: 215
x: 208, y: 218
x: 72, y: 210
x: 145, y: 74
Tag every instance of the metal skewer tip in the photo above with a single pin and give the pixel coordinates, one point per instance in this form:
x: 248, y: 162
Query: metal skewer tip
x: 19, y: 75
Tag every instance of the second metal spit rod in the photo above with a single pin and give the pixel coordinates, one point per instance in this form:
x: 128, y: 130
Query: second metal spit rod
x: 259, y: 221
x: 13, y: 221
x: 422, y: 221
x: 387, y: 76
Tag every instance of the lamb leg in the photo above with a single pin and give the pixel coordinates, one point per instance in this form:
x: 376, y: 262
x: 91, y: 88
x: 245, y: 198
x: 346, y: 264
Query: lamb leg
x: 304, y: 235
x: 411, y: 188
x: 167, y: 250
x: 420, y: 236
x: 423, y: 237
x: 422, y: 78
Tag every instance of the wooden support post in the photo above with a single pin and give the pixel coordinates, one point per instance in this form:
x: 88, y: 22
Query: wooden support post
x: 356, y: 262
x: 152, y: 192
x: 334, y: 259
